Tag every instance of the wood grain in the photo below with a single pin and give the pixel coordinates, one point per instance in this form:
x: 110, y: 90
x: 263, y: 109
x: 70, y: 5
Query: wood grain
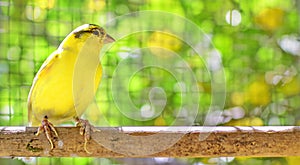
x: 155, y: 142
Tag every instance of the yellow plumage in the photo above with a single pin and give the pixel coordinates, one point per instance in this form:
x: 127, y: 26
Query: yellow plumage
x: 67, y: 81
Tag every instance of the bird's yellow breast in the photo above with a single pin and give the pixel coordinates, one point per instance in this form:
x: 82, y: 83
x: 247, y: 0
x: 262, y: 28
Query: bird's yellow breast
x: 66, y: 83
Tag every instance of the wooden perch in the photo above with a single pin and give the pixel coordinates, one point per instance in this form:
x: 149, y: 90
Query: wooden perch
x: 155, y: 142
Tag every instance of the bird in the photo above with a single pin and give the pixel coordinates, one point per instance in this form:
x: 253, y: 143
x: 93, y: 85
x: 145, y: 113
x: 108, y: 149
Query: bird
x: 66, y: 83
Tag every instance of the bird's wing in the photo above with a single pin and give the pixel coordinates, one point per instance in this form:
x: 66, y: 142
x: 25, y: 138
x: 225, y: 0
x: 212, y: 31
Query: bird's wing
x: 43, y: 70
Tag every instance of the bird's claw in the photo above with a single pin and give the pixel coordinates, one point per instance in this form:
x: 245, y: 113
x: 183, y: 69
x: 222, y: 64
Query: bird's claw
x: 85, y: 130
x: 48, y: 128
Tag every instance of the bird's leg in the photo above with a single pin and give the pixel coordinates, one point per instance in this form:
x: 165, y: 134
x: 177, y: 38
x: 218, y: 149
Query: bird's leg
x: 85, y: 130
x: 47, y: 127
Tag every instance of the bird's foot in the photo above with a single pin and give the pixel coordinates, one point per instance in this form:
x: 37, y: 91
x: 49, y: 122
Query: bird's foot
x: 48, y: 128
x: 85, y: 130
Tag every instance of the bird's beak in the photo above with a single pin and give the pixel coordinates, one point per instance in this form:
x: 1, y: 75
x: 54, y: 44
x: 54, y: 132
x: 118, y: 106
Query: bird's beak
x: 108, y: 39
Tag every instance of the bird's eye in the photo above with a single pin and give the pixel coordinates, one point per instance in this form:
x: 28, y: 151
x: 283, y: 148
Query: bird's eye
x: 96, y: 32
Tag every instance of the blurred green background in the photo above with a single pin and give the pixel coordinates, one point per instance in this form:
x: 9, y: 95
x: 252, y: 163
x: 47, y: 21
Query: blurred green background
x: 256, y: 43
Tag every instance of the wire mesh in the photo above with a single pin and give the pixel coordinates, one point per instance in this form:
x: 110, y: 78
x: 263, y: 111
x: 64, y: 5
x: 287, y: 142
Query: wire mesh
x: 34, y: 29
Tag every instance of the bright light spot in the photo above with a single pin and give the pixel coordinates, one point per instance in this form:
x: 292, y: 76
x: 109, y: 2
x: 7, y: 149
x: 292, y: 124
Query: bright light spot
x: 274, y: 121
x: 162, y: 160
x: 220, y: 160
x: 214, y: 118
x: 276, y: 79
x: 227, y: 159
x: 199, y: 163
x: 233, y: 17
x: 6, y: 112
x: 214, y: 60
x: 123, y: 55
x: 237, y: 112
x: 33, y: 13
x: 281, y: 74
x: 290, y: 44
x: 29, y: 160
x: 146, y: 111
x: 233, y: 113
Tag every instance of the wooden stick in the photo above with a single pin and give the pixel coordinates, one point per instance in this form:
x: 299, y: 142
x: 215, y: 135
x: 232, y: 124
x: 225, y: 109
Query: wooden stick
x: 155, y: 142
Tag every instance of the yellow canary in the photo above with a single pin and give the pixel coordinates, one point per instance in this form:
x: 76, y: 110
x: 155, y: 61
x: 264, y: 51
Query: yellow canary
x: 67, y: 81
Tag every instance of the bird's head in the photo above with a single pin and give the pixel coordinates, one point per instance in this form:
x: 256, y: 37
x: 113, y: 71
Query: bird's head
x: 91, y: 30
